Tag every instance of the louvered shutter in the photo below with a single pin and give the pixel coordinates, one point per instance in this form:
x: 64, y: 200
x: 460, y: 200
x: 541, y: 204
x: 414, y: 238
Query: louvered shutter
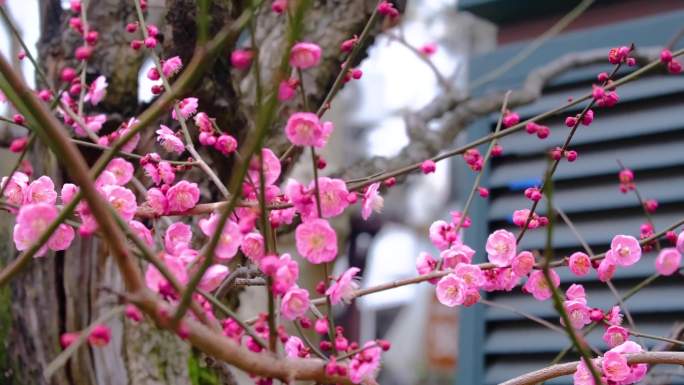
x: 646, y: 132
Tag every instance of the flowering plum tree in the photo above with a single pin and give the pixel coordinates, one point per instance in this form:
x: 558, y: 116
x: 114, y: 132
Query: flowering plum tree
x: 156, y: 203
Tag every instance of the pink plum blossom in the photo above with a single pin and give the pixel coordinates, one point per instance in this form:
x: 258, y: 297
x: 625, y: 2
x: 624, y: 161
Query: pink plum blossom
x: 614, y: 317
x: 226, y: 144
x: 241, y: 58
x: 426, y: 264
x: 41, y: 190
x: 156, y: 201
x: 295, y: 303
x: 230, y: 238
x: 92, y: 124
x: 142, y: 232
x: 451, y: 290
x: 68, y: 192
x: 253, y: 246
x: 285, y: 275
x: 680, y: 242
x: 305, y: 55
x: 187, y: 108
x: 316, y: 241
x: 606, y: 268
x: 97, y: 90
x: 156, y: 281
x: 333, y: 194
x: 615, y: 366
x: 177, y: 238
x: 295, y: 348
x: 576, y: 293
x: 442, y: 234
x: 455, y: 255
x: 32, y: 221
x: 182, y: 196
x: 582, y: 375
x: 167, y: 173
x: 578, y: 313
x: 213, y: 277
x: 538, y: 286
x: 668, y: 261
x: 523, y: 263
x: 372, y: 201
x: 99, y: 336
x: 171, y: 66
x: 62, y: 237
x: 122, y: 200
x: 579, y: 263
x: 615, y: 335
x: 272, y: 167
x: 625, y: 250
x: 168, y: 139
x: 287, y: 89
x: 365, y: 364
x: 343, y: 288
x: 501, y: 248
x: 472, y: 275
x: 305, y: 129
x: 16, y: 187
x: 121, y: 169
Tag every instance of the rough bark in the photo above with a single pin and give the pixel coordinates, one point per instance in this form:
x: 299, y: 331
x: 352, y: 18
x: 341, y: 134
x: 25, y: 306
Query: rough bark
x: 62, y: 292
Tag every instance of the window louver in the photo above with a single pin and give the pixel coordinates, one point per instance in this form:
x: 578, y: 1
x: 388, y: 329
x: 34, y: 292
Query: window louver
x: 646, y: 132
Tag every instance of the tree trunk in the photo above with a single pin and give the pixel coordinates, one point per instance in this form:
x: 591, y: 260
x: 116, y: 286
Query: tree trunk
x: 62, y: 292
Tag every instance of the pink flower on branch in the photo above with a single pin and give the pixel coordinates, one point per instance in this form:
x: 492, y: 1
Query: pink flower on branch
x: 501, y: 248
x: 295, y: 303
x: 168, y: 139
x: 230, y: 238
x: 182, y: 196
x: 343, y: 288
x: 316, y: 241
x: 538, y: 286
x: 305, y: 129
x: 305, y: 55
x: 451, y: 290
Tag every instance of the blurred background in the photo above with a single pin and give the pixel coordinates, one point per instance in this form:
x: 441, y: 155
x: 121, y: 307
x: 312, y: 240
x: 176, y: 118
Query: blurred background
x: 483, y: 345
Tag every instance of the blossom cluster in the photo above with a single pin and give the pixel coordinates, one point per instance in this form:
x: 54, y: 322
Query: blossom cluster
x: 203, y: 244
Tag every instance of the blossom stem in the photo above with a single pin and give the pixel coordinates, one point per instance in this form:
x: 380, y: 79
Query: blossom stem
x: 81, y: 97
x: 642, y: 203
x: 339, y: 80
x: 250, y: 147
x: 569, y: 368
x: 440, y: 77
x: 531, y: 317
x: 578, y: 341
x: 488, y: 154
x: 589, y: 251
x: 64, y: 356
x: 307, y: 341
x: 189, y: 145
x: 228, y: 312
x: 513, y: 129
x: 654, y: 337
x: 554, y: 165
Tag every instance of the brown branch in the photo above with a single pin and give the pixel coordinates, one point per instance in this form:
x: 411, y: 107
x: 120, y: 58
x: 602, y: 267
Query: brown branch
x: 676, y: 358
x: 457, y: 112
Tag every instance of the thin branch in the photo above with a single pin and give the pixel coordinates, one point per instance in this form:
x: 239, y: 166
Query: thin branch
x: 676, y: 358
x: 529, y: 316
x: 64, y: 356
